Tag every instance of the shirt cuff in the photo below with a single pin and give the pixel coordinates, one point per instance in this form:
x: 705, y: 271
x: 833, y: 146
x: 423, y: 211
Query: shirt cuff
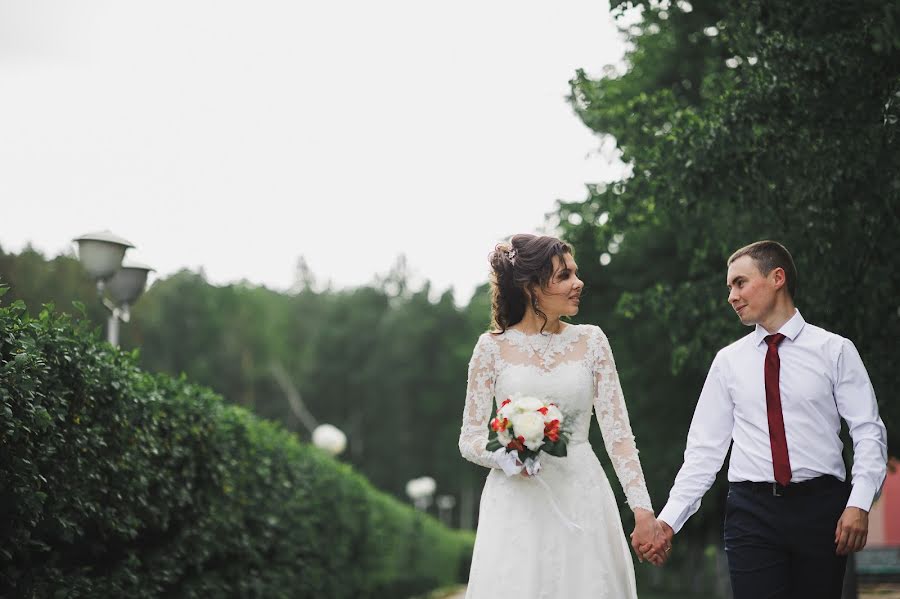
x: 862, y: 496
x: 673, y: 515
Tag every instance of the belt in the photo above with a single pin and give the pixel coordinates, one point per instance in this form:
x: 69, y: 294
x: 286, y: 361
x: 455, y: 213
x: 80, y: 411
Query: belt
x: 813, y: 486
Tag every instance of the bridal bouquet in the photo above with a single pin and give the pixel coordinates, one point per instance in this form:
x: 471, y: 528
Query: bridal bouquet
x: 524, y: 427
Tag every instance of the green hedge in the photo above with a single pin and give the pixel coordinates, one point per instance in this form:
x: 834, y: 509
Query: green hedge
x: 115, y: 482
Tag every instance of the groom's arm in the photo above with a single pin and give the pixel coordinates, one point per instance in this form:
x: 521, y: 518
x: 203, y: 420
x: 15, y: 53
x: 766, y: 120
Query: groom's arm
x: 707, y: 443
x: 856, y: 403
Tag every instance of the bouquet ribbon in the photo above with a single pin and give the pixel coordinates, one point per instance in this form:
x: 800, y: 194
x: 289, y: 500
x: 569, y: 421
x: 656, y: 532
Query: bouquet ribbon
x: 511, y: 466
x: 571, y: 525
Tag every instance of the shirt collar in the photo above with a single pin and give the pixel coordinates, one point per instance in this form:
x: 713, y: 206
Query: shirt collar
x: 790, y: 329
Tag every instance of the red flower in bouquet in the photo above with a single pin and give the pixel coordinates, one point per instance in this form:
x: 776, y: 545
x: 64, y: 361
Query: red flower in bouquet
x: 551, y: 430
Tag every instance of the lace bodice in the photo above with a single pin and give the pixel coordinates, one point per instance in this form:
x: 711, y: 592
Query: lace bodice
x: 575, y: 369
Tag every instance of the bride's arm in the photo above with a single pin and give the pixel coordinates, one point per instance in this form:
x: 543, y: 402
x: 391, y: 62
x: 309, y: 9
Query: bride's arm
x: 473, y: 435
x: 609, y: 406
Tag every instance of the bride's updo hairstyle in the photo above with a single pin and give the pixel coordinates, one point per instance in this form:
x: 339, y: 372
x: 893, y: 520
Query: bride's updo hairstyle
x: 526, y: 262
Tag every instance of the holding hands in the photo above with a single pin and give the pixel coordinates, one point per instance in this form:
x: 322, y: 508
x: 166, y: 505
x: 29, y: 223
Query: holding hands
x: 652, y: 538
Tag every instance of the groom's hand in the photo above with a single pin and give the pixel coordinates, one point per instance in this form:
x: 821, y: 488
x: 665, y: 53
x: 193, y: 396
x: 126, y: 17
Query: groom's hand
x: 646, y: 531
x: 852, y: 531
x: 662, y: 547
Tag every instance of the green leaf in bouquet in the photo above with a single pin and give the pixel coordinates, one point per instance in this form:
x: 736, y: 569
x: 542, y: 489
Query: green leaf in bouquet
x: 556, y: 448
x: 493, y: 444
x: 528, y: 453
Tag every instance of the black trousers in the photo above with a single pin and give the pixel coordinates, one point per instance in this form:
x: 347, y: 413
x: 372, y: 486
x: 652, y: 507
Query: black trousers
x: 782, y: 547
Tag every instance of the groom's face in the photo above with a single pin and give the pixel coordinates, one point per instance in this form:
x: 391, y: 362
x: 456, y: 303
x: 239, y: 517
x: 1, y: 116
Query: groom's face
x: 750, y: 294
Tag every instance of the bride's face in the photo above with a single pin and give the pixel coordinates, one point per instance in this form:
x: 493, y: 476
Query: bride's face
x: 563, y: 293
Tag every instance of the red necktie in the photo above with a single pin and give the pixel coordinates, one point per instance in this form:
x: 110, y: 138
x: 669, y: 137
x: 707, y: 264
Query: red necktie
x: 777, y: 439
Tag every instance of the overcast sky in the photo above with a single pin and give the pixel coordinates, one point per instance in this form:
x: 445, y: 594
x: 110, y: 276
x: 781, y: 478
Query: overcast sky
x: 237, y: 136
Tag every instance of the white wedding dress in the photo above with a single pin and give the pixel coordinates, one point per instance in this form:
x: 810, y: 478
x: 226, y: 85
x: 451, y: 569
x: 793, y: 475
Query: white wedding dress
x: 566, y: 542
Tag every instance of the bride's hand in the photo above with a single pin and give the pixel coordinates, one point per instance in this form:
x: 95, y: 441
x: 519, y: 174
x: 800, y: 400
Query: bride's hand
x: 524, y: 470
x: 647, y: 533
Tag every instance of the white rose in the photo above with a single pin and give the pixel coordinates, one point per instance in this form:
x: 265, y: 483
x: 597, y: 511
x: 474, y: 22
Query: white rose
x: 504, y: 438
x: 530, y: 426
x: 507, y: 410
x: 552, y: 414
x: 526, y: 403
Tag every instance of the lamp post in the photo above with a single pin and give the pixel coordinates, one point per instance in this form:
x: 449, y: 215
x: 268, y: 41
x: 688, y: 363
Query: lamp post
x: 420, y: 490
x: 326, y: 437
x: 101, y: 254
x: 124, y: 287
x: 445, y: 505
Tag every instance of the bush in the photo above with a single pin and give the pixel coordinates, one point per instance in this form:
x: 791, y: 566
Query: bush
x: 116, y: 482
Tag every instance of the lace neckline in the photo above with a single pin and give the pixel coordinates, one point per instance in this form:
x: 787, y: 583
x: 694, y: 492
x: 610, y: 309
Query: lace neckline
x: 565, y: 332
x: 544, y: 349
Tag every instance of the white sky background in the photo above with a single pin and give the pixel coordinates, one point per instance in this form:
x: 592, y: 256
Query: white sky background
x: 238, y: 136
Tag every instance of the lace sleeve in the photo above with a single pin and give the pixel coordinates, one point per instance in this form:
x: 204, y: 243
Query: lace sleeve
x: 473, y: 435
x: 609, y: 405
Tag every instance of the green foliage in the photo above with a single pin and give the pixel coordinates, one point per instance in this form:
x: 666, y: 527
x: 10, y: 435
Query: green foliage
x: 114, y: 482
x: 60, y: 281
x: 354, y: 356
x: 799, y: 146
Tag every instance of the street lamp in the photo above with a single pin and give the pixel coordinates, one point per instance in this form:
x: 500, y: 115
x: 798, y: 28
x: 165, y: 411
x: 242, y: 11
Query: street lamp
x: 445, y: 504
x: 101, y: 254
x: 326, y: 437
x: 124, y: 287
x: 329, y: 438
x: 420, y: 490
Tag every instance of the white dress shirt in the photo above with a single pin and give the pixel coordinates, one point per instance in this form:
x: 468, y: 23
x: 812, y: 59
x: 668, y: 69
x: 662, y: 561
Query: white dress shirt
x: 822, y: 379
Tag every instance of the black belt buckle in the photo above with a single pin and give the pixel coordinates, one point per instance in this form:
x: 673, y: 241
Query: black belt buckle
x: 778, y: 490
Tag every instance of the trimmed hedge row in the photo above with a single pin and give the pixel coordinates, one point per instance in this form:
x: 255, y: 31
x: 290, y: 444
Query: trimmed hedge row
x: 115, y: 482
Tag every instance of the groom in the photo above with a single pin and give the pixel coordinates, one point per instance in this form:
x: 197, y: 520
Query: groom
x: 779, y: 395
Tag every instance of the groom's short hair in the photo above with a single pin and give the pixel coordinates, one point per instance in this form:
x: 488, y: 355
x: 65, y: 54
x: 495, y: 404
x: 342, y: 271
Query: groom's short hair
x: 769, y: 255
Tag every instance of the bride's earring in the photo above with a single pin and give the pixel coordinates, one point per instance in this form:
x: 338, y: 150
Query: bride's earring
x: 534, y: 303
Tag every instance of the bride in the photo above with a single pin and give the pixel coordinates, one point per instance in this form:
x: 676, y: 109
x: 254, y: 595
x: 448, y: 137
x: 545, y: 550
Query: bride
x: 560, y: 536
